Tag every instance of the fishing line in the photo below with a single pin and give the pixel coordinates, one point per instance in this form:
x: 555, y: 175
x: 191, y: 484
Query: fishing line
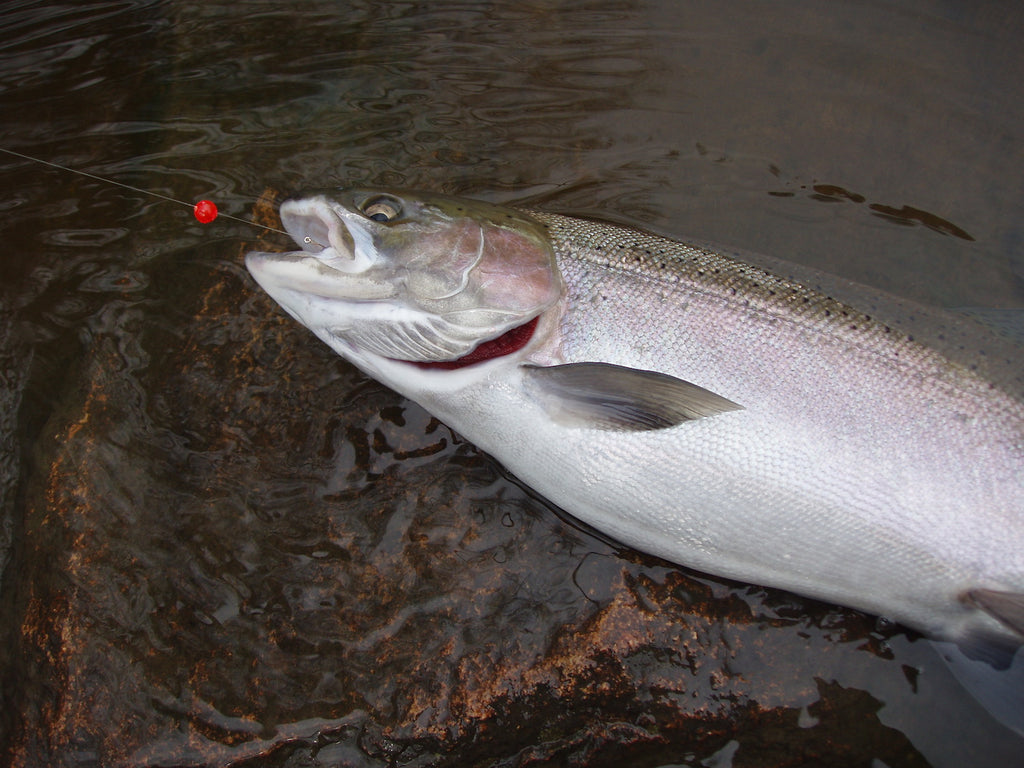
x: 205, y: 210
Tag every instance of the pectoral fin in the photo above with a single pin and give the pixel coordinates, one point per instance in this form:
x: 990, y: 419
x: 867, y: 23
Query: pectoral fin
x: 606, y: 396
x: 1007, y: 607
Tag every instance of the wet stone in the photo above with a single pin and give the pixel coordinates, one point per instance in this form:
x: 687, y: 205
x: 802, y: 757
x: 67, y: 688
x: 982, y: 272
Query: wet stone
x: 242, y: 552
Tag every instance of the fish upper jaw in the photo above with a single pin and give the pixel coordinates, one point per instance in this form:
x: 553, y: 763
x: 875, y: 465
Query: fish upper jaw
x: 330, y: 232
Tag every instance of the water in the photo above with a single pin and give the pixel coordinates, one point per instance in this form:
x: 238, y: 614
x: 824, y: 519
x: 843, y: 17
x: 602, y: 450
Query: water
x: 222, y: 545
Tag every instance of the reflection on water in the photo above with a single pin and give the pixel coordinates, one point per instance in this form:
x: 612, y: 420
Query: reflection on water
x: 221, y: 544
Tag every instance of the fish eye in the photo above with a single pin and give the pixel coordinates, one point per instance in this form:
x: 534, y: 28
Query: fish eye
x: 382, y: 209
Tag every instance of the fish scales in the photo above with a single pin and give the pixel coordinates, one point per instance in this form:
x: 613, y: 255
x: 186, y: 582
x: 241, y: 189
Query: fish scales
x: 663, y: 260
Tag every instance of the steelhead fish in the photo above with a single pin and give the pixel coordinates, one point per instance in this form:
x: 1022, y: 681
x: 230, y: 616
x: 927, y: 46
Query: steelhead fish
x: 693, y: 406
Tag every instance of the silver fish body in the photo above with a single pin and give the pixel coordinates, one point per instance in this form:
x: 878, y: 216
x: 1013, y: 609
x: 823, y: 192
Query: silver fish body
x: 686, y: 403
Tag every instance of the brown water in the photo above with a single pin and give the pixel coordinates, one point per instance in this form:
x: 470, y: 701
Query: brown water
x: 222, y: 545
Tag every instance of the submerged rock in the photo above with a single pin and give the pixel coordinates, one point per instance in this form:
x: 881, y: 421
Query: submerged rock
x: 239, y: 551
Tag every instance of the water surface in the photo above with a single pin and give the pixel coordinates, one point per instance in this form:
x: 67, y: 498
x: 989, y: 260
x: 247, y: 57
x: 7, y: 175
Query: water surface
x: 222, y: 545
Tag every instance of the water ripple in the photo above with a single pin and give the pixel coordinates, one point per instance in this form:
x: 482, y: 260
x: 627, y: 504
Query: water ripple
x: 228, y: 545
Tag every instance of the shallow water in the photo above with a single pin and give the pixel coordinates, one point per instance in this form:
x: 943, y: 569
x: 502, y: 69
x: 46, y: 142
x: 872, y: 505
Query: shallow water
x: 222, y: 545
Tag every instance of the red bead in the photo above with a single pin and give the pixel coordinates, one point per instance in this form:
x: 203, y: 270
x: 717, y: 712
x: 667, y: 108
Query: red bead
x: 205, y: 211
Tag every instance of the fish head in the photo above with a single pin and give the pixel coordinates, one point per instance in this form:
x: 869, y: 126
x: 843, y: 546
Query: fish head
x: 411, y: 277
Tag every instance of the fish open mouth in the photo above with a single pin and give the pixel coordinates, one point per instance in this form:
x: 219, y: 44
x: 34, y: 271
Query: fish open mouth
x: 511, y: 341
